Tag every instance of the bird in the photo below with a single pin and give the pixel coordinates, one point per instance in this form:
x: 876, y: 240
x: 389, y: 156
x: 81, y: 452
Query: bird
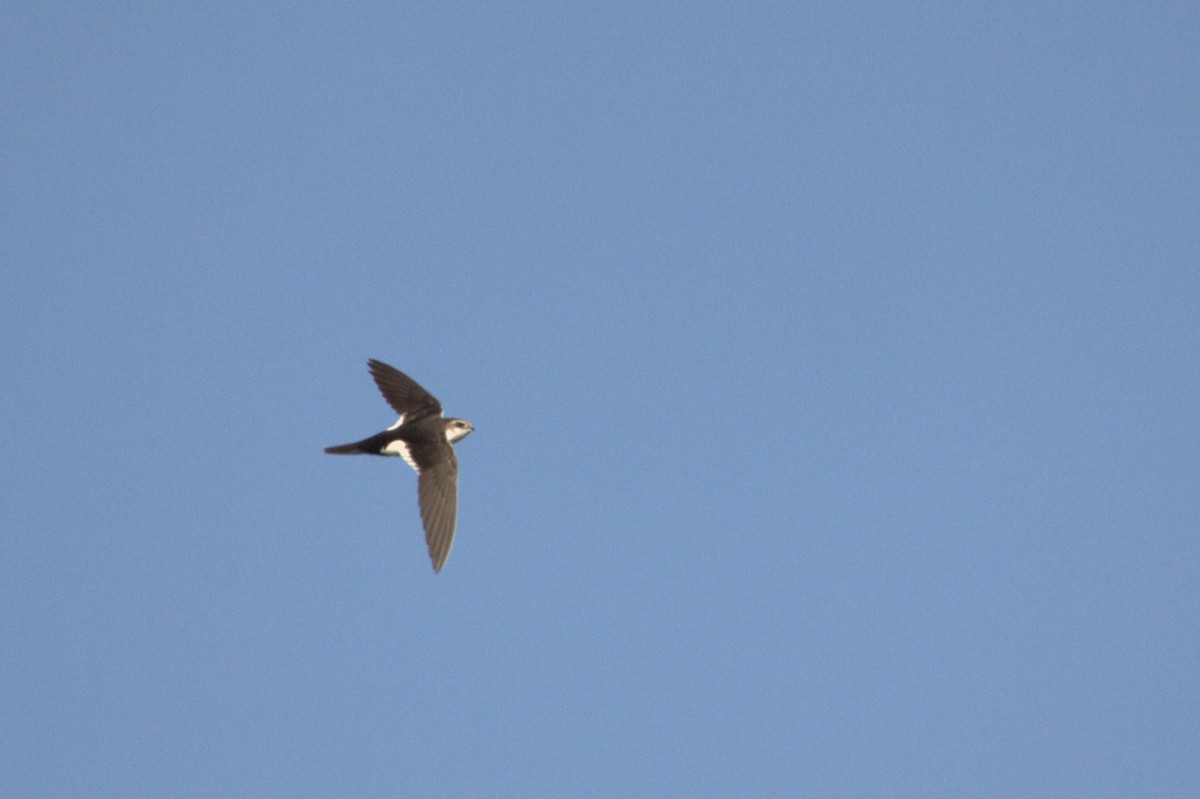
x: 425, y: 439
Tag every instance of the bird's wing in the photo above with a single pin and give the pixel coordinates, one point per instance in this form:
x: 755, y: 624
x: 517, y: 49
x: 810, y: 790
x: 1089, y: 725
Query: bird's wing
x: 437, y: 491
x: 402, y: 392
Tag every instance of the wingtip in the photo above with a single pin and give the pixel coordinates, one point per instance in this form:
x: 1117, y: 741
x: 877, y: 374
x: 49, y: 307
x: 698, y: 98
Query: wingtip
x: 438, y: 562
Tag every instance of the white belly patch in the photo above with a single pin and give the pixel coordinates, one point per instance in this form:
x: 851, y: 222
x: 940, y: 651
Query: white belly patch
x: 400, y: 448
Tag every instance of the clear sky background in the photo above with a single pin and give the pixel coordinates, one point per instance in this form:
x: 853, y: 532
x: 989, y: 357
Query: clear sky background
x: 835, y: 371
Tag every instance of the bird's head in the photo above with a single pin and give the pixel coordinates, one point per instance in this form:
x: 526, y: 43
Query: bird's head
x: 457, y: 429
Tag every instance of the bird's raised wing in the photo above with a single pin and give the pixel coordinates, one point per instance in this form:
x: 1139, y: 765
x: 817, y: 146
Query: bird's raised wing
x: 402, y: 392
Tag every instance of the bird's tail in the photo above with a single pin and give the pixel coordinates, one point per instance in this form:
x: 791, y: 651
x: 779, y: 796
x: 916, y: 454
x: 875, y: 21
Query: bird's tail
x: 344, y: 449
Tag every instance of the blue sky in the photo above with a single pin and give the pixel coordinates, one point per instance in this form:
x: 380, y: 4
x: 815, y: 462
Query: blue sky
x: 834, y: 372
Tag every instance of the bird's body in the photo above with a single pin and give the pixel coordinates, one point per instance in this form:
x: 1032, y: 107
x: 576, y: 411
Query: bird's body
x: 424, y: 438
